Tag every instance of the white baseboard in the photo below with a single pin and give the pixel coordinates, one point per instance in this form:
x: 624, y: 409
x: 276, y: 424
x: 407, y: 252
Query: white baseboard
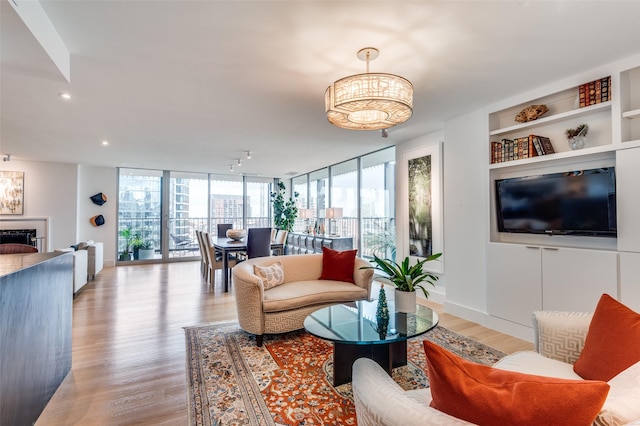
x: 486, y: 320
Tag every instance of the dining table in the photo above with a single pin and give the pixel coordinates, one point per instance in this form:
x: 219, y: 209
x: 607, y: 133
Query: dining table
x: 225, y: 246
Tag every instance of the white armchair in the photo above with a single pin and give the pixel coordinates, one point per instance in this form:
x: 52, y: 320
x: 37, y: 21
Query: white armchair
x: 559, y: 339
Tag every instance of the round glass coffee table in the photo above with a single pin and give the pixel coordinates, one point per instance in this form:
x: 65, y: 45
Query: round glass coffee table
x: 355, y: 333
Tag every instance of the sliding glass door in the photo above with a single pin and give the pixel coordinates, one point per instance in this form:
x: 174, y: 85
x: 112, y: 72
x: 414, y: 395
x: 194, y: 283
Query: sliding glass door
x: 139, y: 214
x: 187, y: 213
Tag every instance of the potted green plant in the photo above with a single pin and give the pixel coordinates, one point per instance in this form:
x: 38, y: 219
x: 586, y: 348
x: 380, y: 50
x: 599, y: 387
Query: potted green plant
x: 285, y: 211
x: 125, y: 234
x: 137, y: 242
x: 406, y: 279
x: 146, y: 250
x: 577, y: 137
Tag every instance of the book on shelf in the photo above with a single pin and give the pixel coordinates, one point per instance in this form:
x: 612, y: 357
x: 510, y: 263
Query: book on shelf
x: 515, y: 149
x: 594, y: 92
x: 582, y: 91
x: 536, y: 144
x: 545, y: 143
x: 606, y: 84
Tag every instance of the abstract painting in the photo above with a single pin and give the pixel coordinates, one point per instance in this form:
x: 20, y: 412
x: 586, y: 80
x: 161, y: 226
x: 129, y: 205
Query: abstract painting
x: 11, y: 192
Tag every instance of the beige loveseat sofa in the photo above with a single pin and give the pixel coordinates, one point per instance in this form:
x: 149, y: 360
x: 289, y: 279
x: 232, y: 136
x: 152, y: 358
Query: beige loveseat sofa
x: 284, y: 307
x: 559, y: 338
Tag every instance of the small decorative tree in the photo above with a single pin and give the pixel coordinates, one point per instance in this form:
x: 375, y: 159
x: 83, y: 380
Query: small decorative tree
x: 284, y: 211
x: 382, y: 314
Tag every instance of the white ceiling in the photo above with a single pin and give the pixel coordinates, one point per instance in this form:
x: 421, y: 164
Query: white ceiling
x: 191, y: 85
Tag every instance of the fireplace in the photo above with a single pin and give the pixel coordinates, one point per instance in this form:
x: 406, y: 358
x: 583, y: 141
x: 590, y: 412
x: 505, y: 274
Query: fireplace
x: 20, y: 236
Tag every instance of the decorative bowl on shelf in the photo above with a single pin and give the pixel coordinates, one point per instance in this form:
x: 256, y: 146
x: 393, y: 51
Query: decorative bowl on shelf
x: 236, y: 234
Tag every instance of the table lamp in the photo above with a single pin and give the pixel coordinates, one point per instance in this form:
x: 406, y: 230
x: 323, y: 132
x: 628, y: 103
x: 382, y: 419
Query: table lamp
x: 334, y: 213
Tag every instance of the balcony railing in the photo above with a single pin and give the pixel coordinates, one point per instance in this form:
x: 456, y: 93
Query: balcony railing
x: 378, y: 233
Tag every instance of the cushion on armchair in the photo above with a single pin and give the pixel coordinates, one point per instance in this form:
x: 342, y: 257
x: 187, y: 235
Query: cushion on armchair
x: 613, y: 341
x: 484, y: 395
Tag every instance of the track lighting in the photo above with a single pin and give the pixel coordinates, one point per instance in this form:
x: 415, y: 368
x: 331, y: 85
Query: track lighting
x: 384, y: 133
x: 248, y: 155
x: 239, y: 163
x: 230, y: 167
x: 6, y: 157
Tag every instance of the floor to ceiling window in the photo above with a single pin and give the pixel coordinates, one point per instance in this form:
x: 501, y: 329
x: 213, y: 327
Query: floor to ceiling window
x: 300, y: 185
x: 226, y: 200
x: 377, y: 204
x: 258, y: 202
x: 344, y: 200
x: 364, y: 189
x: 318, y: 192
x: 187, y: 212
x: 139, y: 212
x: 160, y: 211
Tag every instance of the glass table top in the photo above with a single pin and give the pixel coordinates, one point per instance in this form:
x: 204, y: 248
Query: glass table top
x: 356, y: 323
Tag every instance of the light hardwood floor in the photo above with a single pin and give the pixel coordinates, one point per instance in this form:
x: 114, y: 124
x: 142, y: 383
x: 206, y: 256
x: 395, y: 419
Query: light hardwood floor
x: 129, y: 346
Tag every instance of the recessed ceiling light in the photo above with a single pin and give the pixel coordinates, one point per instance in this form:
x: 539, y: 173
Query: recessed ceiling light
x: 64, y: 95
x: 105, y: 143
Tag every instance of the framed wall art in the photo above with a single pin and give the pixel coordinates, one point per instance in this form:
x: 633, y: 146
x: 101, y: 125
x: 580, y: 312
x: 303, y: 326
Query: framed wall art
x: 11, y: 192
x: 422, y: 228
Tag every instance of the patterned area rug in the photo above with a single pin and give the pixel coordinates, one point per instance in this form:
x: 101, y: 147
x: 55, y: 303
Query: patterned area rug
x: 288, y: 381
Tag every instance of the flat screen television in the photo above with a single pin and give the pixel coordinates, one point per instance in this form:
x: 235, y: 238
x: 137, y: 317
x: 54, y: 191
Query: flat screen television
x: 581, y: 202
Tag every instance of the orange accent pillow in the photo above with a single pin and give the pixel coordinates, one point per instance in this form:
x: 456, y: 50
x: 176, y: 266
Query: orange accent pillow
x: 613, y: 341
x: 338, y: 265
x: 490, y: 396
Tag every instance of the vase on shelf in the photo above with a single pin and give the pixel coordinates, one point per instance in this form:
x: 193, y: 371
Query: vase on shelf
x: 577, y: 142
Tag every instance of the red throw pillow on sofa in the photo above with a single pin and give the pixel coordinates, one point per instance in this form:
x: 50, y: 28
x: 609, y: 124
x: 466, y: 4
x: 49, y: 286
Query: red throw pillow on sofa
x: 490, y: 396
x: 613, y: 341
x: 338, y: 265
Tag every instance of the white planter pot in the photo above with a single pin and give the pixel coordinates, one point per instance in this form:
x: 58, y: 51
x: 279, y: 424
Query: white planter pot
x: 146, y: 254
x: 405, y: 301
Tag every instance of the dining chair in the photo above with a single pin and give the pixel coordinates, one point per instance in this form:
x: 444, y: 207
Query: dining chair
x: 214, y: 262
x: 258, y: 242
x: 223, y: 228
x: 222, y: 232
x: 281, y: 238
x: 204, y: 263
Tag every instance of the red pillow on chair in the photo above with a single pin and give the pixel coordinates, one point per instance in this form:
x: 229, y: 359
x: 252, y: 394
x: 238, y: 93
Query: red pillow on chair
x: 338, y: 265
x: 490, y: 396
x: 613, y: 341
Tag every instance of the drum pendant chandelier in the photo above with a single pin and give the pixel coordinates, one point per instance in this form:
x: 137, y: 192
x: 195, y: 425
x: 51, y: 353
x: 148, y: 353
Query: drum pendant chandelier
x: 370, y: 101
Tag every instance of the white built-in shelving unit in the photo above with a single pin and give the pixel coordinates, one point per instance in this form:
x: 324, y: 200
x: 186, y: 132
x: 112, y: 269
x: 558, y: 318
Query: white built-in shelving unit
x: 569, y: 272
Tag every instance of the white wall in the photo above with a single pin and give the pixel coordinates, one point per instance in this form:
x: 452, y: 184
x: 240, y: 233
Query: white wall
x: 50, y: 190
x: 93, y: 180
x: 466, y: 207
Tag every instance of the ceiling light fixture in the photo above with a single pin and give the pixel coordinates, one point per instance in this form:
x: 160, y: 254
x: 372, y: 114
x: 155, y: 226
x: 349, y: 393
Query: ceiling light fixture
x: 248, y: 155
x: 64, y: 95
x: 105, y: 143
x: 239, y: 163
x: 230, y: 167
x: 370, y: 101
